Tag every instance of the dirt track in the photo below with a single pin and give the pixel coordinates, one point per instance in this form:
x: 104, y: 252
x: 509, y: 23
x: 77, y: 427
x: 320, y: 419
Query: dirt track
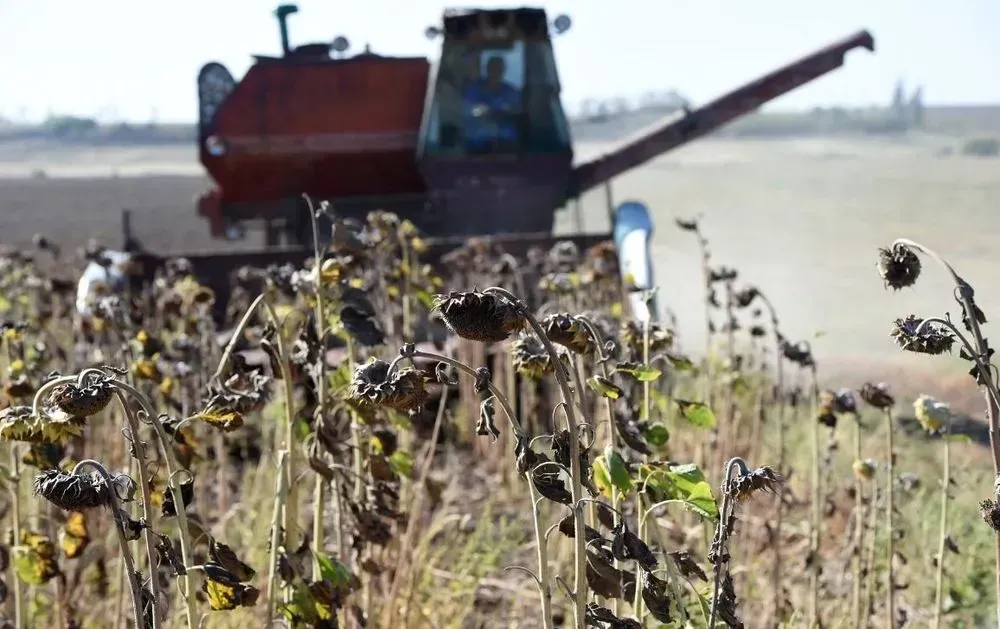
x: 800, y: 219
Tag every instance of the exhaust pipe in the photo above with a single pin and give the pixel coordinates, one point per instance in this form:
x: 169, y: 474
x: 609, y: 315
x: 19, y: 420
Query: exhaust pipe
x: 282, y: 13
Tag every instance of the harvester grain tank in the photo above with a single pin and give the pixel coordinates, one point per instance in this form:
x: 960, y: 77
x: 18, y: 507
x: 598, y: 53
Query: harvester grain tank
x: 368, y: 131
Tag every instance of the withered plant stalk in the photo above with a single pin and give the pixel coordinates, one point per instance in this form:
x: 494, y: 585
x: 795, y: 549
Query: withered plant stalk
x: 133, y: 576
x: 576, y: 472
x: 319, y: 539
x: 139, y: 457
x: 890, y: 595
x: 286, y: 454
x: 280, y: 489
x: 816, y: 512
x: 15, y: 514
x: 859, y: 530
x: 943, y: 533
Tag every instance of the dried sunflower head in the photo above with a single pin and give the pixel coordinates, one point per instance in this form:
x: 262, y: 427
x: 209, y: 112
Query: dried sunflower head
x: 898, y: 265
x: 743, y: 487
x: 633, y: 336
x: 479, y: 316
x: 745, y: 297
x: 877, y: 395
x: 530, y: 357
x: 687, y: 225
x: 864, y: 469
x: 932, y: 339
x: 844, y: 402
x: 18, y: 423
x: 931, y: 413
x: 402, y: 391
x: 73, y: 492
x: 83, y: 401
x: 990, y: 511
x: 568, y: 331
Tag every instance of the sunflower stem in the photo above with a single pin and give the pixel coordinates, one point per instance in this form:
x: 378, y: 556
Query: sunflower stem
x: 15, y: 509
x: 175, y: 491
x: 319, y: 541
x: 859, y: 531
x: 816, y: 520
x: 943, y: 534
x: 279, y: 504
x: 722, y: 533
x: 133, y: 576
x: 890, y: 595
x: 140, y: 462
x: 576, y: 471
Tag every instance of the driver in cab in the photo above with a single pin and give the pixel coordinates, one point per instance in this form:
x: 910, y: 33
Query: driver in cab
x: 490, y: 104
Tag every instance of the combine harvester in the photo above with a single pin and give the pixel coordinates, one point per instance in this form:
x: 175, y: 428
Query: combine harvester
x: 366, y: 131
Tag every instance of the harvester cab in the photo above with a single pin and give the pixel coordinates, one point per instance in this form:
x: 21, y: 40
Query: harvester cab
x: 495, y: 147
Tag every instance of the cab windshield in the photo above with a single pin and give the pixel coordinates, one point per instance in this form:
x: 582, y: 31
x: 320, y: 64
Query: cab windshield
x: 496, y: 99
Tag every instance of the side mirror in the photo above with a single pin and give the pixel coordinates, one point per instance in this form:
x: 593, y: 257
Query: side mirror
x: 632, y: 232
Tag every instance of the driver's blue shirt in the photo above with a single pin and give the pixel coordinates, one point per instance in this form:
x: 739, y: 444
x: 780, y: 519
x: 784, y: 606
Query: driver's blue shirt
x: 480, y: 131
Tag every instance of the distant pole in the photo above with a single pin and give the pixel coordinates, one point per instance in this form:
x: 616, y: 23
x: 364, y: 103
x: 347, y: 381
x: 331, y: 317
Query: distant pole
x: 578, y: 215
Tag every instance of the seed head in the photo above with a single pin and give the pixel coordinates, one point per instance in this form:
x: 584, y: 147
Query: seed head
x: 990, y: 511
x: 73, y: 492
x: 844, y: 402
x: 84, y: 401
x: 899, y: 266
x: 931, y: 413
x: 530, y: 357
x: 864, y: 469
x: 633, y: 337
x: 481, y: 317
x: 743, y: 487
x: 568, y: 331
x: 932, y: 339
x: 403, y: 391
x: 877, y: 395
x: 17, y: 423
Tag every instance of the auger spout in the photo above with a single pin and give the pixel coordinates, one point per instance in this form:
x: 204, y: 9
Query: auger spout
x: 682, y: 128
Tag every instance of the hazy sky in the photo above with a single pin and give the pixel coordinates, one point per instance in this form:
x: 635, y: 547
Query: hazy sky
x: 138, y: 59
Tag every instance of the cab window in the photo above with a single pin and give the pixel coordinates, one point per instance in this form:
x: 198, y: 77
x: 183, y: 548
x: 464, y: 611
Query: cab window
x: 495, y: 99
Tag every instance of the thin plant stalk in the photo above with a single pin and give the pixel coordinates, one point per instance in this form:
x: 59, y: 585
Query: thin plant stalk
x: 128, y: 562
x: 641, y: 532
x: 943, y: 535
x: 173, y: 469
x: 147, y: 511
x: 890, y: 595
x: 616, y: 496
x: 859, y: 530
x: 816, y: 519
x: 279, y: 504
x: 319, y: 541
x: 722, y: 531
x: 15, y: 514
x: 285, y: 454
x: 576, y: 471
x: 870, y: 562
x: 541, y: 544
x: 415, y: 511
